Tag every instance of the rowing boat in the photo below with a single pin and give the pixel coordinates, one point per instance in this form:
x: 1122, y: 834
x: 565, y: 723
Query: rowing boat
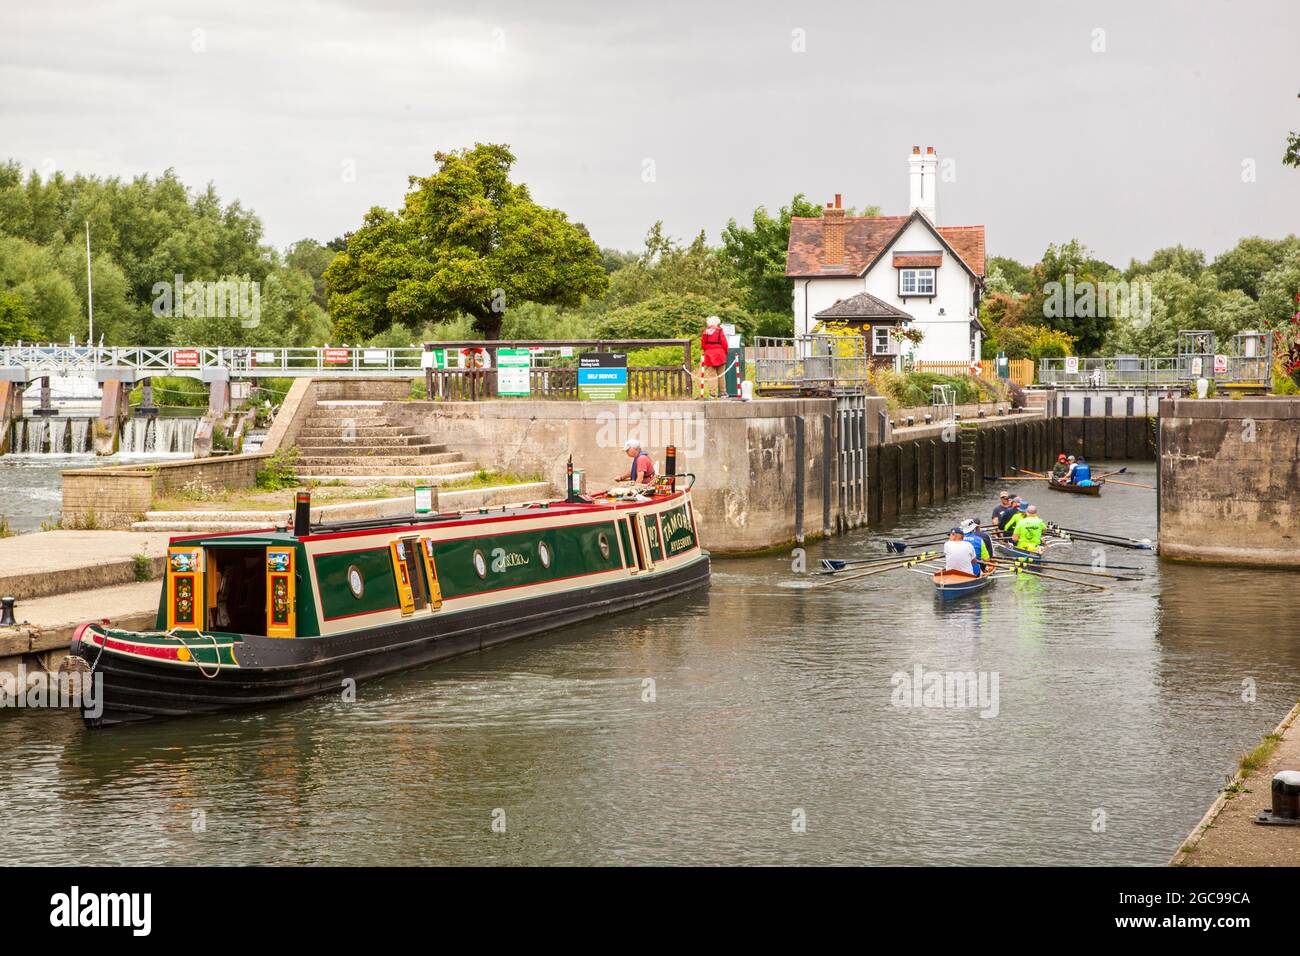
x: 1093, y: 490
x: 1018, y: 554
x: 950, y: 585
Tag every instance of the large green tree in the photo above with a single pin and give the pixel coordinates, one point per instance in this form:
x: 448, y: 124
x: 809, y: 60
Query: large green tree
x: 757, y: 252
x: 466, y: 241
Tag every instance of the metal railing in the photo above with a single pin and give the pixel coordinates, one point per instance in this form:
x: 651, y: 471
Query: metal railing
x: 552, y: 371
x: 1134, y: 371
x: 812, y: 362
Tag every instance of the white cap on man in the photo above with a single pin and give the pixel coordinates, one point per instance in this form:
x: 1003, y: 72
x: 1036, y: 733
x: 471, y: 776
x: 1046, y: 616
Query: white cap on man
x: 631, y: 443
x: 970, y: 525
x: 712, y: 320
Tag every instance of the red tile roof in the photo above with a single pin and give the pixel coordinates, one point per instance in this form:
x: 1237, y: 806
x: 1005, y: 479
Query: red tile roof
x: 866, y: 237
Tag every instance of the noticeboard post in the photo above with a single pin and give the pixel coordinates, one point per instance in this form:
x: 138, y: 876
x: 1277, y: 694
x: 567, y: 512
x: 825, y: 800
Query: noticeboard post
x: 602, y: 376
x: 513, y: 366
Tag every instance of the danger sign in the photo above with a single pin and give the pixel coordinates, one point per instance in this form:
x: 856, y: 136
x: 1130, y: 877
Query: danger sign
x: 185, y: 358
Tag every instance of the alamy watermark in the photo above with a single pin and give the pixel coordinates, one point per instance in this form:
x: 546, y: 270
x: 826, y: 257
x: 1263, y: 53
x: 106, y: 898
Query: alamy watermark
x: 1088, y: 299
x: 41, y: 689
x: 654, y: 430
x: 200, y: 299
x: 953, y: 690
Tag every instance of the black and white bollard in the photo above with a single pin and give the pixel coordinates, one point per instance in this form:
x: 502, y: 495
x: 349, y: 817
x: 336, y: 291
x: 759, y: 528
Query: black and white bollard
x: 7, y: 612
x: 1286, y: 800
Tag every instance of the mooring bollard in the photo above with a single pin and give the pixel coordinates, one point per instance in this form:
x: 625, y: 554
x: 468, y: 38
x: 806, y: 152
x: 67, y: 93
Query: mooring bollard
x: 7, y: 612
x: 1286, y: 800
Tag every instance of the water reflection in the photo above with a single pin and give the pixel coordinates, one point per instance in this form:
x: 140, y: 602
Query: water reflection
x: 693, y: 731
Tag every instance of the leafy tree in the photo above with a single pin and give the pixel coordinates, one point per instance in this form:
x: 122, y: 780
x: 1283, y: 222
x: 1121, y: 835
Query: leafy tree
x: 467, y: 240
x: 1186, y: 262
x: 15, y: 325
x: 1243, y: 266
x: 669, y: 316
x: 665, y: 267
x: 1015, y: 275
x: 1050, y: 277
x: 757, y: 254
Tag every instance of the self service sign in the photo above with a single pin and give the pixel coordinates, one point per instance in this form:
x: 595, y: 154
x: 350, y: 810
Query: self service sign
x: 602, y: 376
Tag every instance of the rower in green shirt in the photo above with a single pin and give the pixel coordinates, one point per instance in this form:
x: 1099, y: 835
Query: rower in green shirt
x: 1028, y: 531
x: 1009, y: 527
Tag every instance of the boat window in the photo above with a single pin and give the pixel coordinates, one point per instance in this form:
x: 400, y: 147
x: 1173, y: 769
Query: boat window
x: 544, y: 553
x: 237, y: 591
x: 480, y: 564
x: 602, y: 540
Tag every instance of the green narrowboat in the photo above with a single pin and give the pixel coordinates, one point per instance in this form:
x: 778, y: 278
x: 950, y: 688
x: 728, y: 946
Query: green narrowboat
x: 257, y: 617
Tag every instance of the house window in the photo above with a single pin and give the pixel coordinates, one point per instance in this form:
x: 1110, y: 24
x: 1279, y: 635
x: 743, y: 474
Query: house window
x: 916, y: 282
x: 882, y: 342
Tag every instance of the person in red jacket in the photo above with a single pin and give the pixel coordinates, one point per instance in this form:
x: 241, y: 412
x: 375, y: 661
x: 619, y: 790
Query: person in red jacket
x: 713, y: 342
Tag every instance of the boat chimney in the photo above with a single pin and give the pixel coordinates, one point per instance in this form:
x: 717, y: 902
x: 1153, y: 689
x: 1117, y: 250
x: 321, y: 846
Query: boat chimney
x: 302, y: 514
x: 670, y: 467
x: 570, y: 492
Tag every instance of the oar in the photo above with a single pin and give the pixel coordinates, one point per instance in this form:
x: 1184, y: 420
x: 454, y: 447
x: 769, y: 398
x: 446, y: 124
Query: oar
x: 1079, y: 564
x: 854, y: 575
x: 1026, y: 471
x: 1120, y: 472
x: 1057, y: 577
x: 1128, y: 484
x: 1097, y: 538
x: 1091, y: 574
x: 834, y: 565
x: 899, y: 546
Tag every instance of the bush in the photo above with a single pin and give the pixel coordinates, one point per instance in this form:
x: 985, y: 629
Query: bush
x: 177, y: 392
x: 280, y: 470
x: 905, y: 390
x: 1028, y: 341
x: 670, y: 316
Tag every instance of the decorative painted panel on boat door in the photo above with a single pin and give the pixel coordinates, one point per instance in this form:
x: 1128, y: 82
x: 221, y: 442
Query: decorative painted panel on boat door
x: 185, y: 593
x: 431, y: 573
x: 280, y: 597
x: 402, y: 574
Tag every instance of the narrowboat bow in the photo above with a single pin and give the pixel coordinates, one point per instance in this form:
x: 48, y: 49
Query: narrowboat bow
x: 259, y: 617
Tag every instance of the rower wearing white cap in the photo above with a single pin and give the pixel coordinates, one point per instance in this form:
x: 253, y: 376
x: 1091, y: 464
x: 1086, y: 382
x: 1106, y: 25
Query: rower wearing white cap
x: 979, y: 540
x: 642, y: 470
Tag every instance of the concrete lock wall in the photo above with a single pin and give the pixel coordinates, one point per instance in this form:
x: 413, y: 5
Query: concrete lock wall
x: 1230, y: 481
x: 943, y: 462
x: 750, y: 483
x: 115, y: 497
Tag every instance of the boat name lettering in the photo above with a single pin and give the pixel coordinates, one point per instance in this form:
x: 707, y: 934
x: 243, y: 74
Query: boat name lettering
x: 503, y: 559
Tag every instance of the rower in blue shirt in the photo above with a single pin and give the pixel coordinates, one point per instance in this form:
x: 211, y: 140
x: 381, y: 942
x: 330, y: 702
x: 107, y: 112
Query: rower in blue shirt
x: 980, y: 541
x: 1080, y: 473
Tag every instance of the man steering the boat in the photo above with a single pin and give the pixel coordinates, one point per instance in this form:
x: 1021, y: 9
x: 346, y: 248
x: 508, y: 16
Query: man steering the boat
x: 642, y: 469
x: 1028, y: 532
x: 959, y: 554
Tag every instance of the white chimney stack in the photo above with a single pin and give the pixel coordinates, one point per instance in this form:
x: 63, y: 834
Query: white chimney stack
x: 923, y: 176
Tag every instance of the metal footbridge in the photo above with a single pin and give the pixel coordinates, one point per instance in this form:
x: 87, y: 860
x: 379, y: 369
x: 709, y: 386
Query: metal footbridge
x: 28, y: 363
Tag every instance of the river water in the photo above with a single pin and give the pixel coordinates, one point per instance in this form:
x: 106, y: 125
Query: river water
x: 1119, y: 714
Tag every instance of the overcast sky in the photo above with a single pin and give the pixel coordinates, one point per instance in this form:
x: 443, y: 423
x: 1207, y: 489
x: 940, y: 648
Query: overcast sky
x: 310, y: 113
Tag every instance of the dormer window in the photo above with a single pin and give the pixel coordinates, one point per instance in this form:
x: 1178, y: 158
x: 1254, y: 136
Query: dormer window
x: 916, y: 282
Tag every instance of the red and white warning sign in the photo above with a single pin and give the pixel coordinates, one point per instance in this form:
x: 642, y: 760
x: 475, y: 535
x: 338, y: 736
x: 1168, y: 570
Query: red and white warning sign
x: 185, y: 358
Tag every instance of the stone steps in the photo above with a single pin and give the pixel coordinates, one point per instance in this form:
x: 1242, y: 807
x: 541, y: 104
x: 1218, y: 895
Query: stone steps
x: 332, y: 436
x: 433, y: 453
x: 381, y: 458
x: 380, y: 468
x: 371, y: 476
